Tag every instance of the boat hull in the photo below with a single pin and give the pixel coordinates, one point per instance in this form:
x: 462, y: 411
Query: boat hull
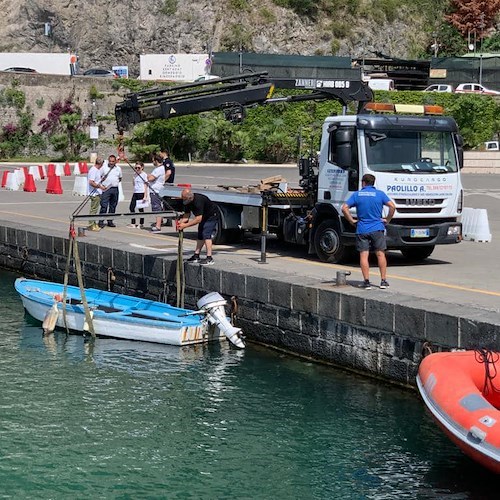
x: 117, y: 316
x: 462, y: 401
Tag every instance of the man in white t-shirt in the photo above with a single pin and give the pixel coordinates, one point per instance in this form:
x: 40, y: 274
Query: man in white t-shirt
x: 94, y: 191
x: 156, y: 180
x: 111, y: 176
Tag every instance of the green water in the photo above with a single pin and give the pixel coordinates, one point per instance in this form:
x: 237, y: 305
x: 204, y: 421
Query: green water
x: 133, y: 420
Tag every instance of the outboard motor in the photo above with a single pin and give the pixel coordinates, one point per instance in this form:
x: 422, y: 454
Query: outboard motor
x: 213, y: 304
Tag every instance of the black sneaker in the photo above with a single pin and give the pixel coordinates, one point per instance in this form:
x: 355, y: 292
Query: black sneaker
x: 111, y: 224
x: 366, y: 285
x: 207, y: 262
x: 194, y: 258
x: 384, y: 284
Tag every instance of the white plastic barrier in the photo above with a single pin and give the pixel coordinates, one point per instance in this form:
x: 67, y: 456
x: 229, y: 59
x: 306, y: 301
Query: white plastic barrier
x: 475, y: 225
x: 21, y: 177
x: 76, y: 169
x: 35, y: 172
x: 121, y: 196
x: 80, y: 187
x: 12, y: 182
x: 59, y: 170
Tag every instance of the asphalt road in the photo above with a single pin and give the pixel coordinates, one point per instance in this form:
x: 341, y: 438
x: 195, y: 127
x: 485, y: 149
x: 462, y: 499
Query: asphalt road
x: 463, y: 274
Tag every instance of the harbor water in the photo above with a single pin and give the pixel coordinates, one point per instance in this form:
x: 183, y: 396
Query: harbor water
x: 118, y: 419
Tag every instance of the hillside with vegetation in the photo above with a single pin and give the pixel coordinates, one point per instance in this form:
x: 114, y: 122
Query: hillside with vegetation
x: 116, y: 32
x: 37, y: 124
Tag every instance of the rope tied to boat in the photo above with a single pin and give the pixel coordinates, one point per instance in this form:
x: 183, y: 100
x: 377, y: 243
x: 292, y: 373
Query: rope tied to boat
x: 426, y: 349
x: 180, y: 275
x: 234, y: 308
x: 111, y: 279
x: 489, y: 358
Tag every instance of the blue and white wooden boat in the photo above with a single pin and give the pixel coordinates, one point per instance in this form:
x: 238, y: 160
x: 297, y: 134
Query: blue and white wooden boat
x: 126, y: 317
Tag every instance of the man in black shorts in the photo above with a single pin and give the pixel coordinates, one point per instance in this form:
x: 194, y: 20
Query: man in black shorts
x: 205, y: 214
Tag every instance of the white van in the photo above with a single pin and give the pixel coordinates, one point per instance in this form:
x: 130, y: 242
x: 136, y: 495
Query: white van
x: 381, y: 84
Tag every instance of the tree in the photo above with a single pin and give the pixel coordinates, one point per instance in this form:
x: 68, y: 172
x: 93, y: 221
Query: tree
x: 65, y: 129
x: 473, y: 16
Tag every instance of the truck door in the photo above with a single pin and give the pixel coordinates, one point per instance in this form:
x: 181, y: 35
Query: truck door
x: 343, y: 153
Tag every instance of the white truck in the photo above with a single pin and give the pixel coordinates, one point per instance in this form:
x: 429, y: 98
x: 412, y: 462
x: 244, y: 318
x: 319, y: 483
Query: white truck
x: 174, y: 67
x: 51, y: 63
x: 415, y: 159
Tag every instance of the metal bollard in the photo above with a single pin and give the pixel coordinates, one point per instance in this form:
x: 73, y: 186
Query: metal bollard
x: 341, y: 279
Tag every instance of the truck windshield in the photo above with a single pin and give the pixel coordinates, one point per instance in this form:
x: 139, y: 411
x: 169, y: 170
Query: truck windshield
x: 410, y: 151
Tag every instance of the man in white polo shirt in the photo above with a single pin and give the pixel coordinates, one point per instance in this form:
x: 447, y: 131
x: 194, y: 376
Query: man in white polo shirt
x: 111, y: 176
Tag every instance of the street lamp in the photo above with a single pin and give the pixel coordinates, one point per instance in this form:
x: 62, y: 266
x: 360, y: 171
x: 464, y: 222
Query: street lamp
x: 435, y: 45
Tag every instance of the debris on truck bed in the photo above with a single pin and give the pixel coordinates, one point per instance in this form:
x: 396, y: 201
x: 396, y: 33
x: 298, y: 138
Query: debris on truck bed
x: 265, y: 184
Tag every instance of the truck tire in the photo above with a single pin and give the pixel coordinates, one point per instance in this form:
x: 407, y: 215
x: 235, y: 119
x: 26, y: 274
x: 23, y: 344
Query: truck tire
x: 327, y: 242
x: 222, y: 236
x: 417, y: 254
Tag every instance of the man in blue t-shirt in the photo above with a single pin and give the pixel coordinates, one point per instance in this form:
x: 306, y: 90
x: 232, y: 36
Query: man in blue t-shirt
x: 370, y: 226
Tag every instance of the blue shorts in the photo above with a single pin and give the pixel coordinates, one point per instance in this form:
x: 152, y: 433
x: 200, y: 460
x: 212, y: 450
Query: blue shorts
x: 371, y: 242
x: 206, y: 228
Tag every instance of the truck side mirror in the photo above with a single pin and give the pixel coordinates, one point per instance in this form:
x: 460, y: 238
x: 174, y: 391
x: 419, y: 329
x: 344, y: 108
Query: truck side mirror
x: 343, y: 139
x: 459, y: 141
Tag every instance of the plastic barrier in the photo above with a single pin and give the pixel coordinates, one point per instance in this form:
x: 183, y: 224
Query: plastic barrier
x: 76, y: 168
x: 475, y: 225
x: 20, y: 175
x: 80, y: 186
x: 4, y: 178
x: 59, y: 169
x: 84, y: 168
x: 42, y: 171
x: 67, y: 169
x: 35, y: 172
x: 121, y: 196
x: 54, y: 185
x: 51, y: 169
x: 12, y: 182
x: 29, y: 184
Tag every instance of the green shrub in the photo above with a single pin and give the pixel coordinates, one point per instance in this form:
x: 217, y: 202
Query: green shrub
x: 169, y: 7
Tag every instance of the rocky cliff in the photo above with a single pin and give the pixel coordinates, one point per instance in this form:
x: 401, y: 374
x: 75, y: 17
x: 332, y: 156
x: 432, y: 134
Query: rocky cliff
x: 116, y: 32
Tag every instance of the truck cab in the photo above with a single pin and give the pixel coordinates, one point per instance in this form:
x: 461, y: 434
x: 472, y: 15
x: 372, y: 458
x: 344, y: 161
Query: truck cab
x: 416, y: 160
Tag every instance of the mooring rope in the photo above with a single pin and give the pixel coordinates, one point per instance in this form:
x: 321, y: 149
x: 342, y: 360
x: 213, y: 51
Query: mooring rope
x: 489, y: 358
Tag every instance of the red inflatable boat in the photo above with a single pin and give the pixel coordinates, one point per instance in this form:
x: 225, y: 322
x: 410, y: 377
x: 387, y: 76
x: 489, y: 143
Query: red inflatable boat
x: 462, y: 391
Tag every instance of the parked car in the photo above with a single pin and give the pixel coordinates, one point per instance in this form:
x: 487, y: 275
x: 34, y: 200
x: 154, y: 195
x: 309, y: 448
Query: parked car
x: 439, y: 87
x: 475, y: 88
x: 100, y: 73
x: 492, y: 146
x: 20, y: 70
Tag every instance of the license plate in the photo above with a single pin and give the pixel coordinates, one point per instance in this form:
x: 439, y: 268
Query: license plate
x: 419, y: 233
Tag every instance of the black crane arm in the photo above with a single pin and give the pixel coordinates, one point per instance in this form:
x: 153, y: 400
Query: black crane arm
x: 231, y: 95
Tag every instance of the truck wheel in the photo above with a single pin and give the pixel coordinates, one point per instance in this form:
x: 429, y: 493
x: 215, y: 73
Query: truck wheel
x: 222, y: 236
x: 417, y: 253
x: 327, y: 243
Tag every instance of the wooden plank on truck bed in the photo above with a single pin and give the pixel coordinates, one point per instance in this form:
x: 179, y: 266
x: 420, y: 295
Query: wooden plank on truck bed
x: 272, y: 179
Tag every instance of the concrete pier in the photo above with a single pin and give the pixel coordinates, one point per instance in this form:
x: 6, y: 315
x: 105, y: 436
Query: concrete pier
x: 381, y: 334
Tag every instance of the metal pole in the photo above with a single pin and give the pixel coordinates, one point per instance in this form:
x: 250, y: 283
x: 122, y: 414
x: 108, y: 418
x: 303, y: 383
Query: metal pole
x: 480, y: 69
x: 263, y: 235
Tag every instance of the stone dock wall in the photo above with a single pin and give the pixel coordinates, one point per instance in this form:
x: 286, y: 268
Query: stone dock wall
x: 338, y: 325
